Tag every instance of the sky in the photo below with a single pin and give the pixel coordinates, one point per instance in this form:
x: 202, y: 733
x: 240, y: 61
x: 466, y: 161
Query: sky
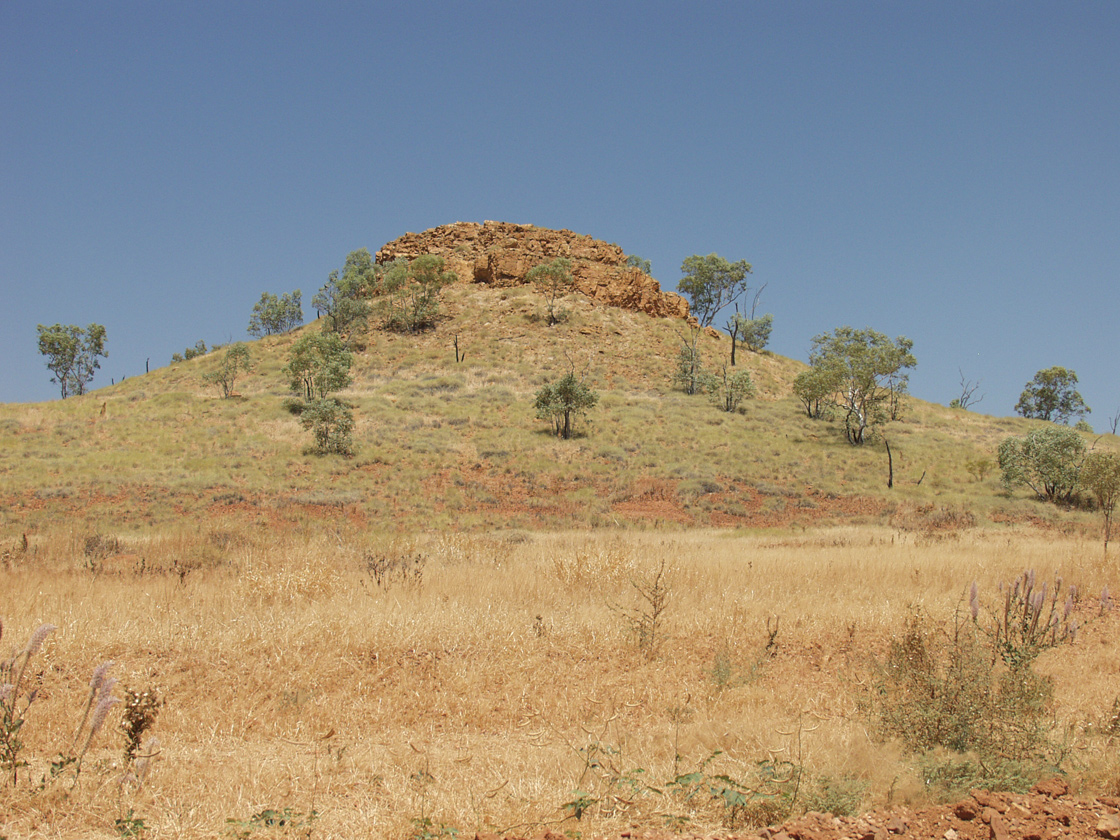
x: 948, y: 171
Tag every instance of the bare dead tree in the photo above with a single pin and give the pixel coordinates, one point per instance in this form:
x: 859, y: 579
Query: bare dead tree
x: 968, y: 393
x: 757, y: 297
x: 1114, y: 421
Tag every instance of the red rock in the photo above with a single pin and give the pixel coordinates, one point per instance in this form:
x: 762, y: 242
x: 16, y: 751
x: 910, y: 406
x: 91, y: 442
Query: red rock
x: 500, y: 254
x: 966, y: 810
x: 1053, y: 787
x: 1109, y: 826
x: 998, y: 828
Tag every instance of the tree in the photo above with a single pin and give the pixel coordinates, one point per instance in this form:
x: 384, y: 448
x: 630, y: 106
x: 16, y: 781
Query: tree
x: 634, y: 261
x: 689, y: 375
x: 343, y: 301
x: 199, y: 349
x: 756, y: 332
x: 553, y: 280
x: 813, y: 387
x: 727, y: 391
x: 1100, y: 475
x: 1047, y: 460
x: 411, y: 292
x: 235, y: 362
x: 559, y: 401
x: 72, y: 354
x: 319, y: 365
x: 274, y: 315
x: 968, y: 393
x: 331, y: 423
x: 1052, y: 395
x: 865, y: 369
x: 710, y: 283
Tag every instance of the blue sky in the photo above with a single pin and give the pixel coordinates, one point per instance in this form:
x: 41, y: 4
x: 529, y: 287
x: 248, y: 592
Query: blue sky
x: 945, y: 171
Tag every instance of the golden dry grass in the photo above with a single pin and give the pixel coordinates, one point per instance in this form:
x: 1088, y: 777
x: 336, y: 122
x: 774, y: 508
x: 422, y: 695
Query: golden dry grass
x: 473, y: 696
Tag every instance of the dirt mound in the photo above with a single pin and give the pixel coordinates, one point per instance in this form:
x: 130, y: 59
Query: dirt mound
x: 1045, y: 813
x: 501, y: 254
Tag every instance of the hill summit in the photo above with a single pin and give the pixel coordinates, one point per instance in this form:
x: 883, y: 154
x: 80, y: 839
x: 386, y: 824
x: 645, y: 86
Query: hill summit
x: 500, y: 254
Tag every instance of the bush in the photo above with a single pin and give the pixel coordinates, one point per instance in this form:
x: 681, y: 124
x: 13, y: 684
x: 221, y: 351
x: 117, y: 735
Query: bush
x: 1046, y: 460
x: 558, y: 402
x: 727, y: 392
x: 331, y: 422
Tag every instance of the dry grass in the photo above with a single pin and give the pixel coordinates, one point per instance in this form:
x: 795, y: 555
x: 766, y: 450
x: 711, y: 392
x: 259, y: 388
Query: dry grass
x: 465, y: 694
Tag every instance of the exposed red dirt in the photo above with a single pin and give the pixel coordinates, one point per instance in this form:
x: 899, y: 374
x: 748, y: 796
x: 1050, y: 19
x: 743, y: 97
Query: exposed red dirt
x: 1046, y: 813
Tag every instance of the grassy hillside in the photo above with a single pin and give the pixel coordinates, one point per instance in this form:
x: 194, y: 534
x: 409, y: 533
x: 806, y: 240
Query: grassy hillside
x: 447, y: 445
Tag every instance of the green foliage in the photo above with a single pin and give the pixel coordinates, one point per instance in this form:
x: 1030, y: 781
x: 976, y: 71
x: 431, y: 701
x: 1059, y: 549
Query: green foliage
x: 813, y: 387
x: 411, y: 292
x: 72, y: 354
x: 331, y: 422
x: 1052, y: 395
x: 1100, y: 476
x: 979, y: 468
x: 235, y: 362
x: 319, y: 365
x: 945, y: 689
x: 425, y: 828
x: 553, y: 280
x: 689, y: 375
x: 1047, y: 460
x: 837, y: 795
x: 973, y: 689
x: 727, y: 391
x: 754, y: 332
x: 199, y: 349
x: 130, y: 825
x: 634, y: 261
x: 344, y: 300
x: 270, y: 822
x: 865, y: 370
x: 559, y: 402
x: 710, y: 283
x: 273, y: 315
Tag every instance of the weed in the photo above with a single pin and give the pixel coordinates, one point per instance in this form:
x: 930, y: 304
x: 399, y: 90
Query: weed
x: 423, y: 828
x: 140, y: 710
x: 15, y: 705
x: 130, y: 825
x: 388, y: 570
x: 273, y: 822
x: 1030, y: 621
x: 838, y: 795
x: 646, y: 621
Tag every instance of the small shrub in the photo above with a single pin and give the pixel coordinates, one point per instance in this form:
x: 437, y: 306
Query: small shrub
x: 646, y: 621
x: 387, y: 571
x: 331, y: 423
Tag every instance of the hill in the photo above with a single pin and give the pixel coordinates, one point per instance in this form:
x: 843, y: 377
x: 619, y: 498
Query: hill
x: 443, y: 444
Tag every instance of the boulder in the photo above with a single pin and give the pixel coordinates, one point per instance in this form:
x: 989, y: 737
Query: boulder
x: 500, y: 254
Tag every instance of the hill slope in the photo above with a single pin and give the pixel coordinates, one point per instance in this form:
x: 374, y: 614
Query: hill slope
x: 456, y: 445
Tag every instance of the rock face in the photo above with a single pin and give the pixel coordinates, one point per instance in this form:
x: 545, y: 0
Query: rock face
x: 501, y: 254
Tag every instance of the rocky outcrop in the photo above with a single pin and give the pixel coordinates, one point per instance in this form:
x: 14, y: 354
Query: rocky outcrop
x: 501, y: 254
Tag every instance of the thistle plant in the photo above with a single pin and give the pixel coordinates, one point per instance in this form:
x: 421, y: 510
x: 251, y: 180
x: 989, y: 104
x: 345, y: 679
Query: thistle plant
x: 14, y: 704
x: 1033, y: 619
